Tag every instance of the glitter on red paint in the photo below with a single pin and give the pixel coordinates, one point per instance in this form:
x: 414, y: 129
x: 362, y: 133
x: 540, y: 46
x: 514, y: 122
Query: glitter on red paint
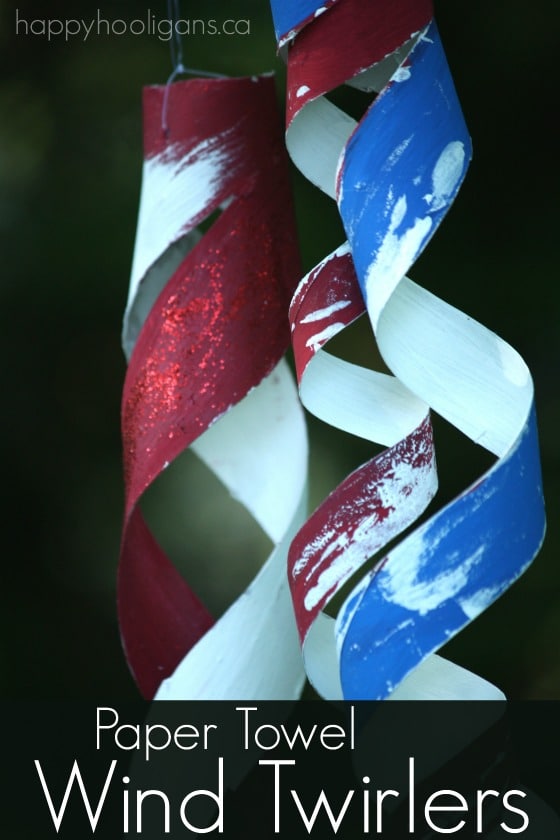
x: 196, y: 355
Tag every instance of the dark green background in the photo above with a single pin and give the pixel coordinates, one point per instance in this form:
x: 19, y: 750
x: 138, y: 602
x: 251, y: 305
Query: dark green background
x: 70, y: 167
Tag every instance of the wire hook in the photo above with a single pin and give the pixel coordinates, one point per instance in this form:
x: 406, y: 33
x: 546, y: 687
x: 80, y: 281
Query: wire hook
x: 176, y: 49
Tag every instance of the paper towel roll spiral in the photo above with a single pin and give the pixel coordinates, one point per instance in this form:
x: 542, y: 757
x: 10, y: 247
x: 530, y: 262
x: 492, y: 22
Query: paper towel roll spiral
x: 394, y: 175
x: 206, y: 329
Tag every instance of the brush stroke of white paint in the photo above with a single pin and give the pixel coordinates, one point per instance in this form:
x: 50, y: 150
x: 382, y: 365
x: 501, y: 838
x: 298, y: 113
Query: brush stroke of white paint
x: 473, y: 605
x: 400, y: 585
x: 403, y: 74
x: 308, y: 278
x: 397, y: 253
x: 326, y: 312
x: 446, y: 175
x: 370, y: 535
x: 393, y: 258
x: 319, y: 542
x: 392, y: 160
x: 174, y: 192
x: 316, y: 341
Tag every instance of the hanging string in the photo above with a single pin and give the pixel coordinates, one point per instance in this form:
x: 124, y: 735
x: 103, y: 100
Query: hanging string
x: 176, y: 50
x: 175, y: 43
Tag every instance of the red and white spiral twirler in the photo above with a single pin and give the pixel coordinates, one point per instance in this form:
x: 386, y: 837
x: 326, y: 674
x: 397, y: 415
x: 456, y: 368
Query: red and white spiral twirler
x: 206, y: 328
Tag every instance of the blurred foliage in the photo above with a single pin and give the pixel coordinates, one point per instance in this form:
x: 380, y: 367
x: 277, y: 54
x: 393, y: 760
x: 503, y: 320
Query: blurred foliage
x: 70, y: 166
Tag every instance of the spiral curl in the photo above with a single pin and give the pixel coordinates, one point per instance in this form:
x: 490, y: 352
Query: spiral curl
x: 394, y: 175
x: 199, y: 305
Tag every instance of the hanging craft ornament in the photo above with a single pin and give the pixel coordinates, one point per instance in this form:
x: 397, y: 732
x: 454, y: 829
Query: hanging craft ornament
x: 394, y: 175
x: 206, y: 328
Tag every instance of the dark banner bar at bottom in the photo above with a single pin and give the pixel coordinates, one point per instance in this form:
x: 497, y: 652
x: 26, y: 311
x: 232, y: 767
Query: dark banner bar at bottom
x: 309, y: 768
